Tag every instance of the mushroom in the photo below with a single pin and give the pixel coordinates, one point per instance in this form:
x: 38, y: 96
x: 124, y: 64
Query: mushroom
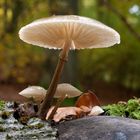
x: 36, y: 93
x: 63, y: 91
x: 67, y: 89
x: 66, y: 32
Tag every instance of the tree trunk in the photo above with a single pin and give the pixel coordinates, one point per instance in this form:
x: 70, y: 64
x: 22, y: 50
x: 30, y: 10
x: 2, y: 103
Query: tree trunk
x: 17, y: 9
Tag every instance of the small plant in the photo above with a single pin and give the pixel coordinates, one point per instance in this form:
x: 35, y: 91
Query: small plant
x: 130, y: 109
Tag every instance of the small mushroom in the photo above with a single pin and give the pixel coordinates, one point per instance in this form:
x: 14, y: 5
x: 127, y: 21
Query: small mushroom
x: 36, y: 93
x: 67, y: 89
x: 95, y: 111
x: 66, y: 32
x: 63, y: 91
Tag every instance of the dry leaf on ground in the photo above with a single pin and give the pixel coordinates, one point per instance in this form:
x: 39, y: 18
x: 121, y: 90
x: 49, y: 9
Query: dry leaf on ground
x: 64, y: 112
x: 84, y: 106
x: 88, y: 99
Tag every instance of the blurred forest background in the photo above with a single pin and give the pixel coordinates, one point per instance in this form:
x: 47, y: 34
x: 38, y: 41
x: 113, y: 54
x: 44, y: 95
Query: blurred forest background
x: 113, y: 73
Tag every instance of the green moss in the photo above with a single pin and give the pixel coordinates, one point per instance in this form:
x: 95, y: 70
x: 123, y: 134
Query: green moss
x: 24, y: 119
x: 2, y: 105
x: 5, y: 114
x: 130, y: 109
x: 36, y: 126
x: 2, y: 129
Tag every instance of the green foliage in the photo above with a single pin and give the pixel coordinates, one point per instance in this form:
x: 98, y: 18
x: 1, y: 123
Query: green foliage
x: 130, y: 109
x: 2, y: 105
x: 120, y: 64
x: 19, y: 62
x: 115, y: 110
x: 133, y: 108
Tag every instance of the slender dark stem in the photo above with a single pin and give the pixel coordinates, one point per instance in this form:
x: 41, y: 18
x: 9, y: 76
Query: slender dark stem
x: 59, y: 102
x: 44, y: 108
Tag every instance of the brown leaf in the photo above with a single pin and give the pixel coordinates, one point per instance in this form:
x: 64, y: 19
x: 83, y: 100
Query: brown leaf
x: 64, y: 112
x: 85, y: 109
x: 88, y: 99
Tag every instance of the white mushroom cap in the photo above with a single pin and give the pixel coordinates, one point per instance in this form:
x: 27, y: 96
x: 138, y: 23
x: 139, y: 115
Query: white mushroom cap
x: 36, y: 92
x: 67, y: 89
x: 82, y: 31
x: 96, y: 110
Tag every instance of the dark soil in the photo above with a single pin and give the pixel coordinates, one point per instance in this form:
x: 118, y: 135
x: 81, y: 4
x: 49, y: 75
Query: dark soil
x: 10, y: 92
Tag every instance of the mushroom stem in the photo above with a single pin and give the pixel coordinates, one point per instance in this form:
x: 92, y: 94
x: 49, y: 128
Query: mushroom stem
x: 44, y: 108
x: 59, y: 102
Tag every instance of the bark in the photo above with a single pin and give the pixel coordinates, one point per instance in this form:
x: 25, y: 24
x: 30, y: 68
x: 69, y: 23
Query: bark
x: 17, y: 9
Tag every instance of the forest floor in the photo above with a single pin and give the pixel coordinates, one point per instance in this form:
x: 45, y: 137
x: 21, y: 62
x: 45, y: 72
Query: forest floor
x: 9, y: 92
x: 106, y: 93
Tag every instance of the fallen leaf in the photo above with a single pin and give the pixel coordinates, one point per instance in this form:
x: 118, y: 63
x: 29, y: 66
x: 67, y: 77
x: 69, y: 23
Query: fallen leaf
x: 95, y: 111
x: 85, y: 109
x: 88, y: 99
x: 63, y: 113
